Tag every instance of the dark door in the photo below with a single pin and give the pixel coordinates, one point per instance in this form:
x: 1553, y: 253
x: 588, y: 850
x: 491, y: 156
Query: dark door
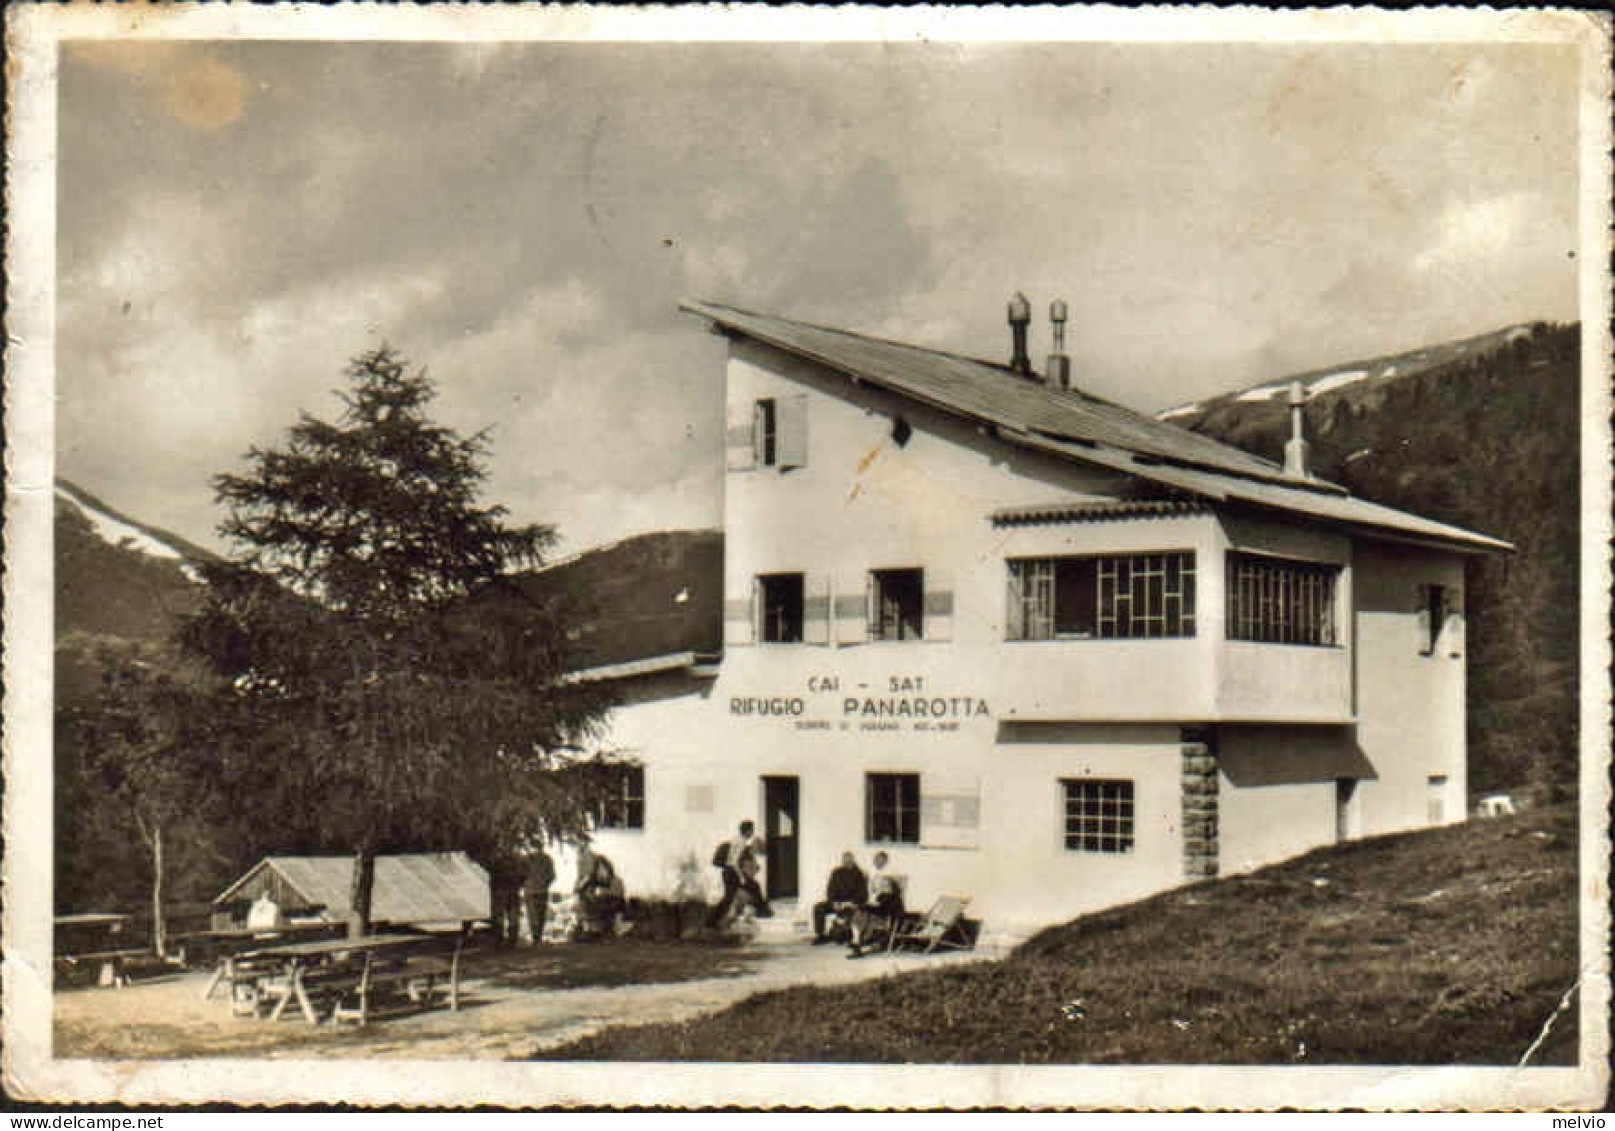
x: 780, y: 834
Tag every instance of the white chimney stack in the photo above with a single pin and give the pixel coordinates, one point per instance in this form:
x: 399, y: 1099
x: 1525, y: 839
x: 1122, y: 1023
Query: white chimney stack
x: 1059, y: 363
x: 1295, y: 449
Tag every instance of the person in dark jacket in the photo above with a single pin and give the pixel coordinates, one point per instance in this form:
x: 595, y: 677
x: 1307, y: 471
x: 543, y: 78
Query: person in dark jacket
x: 536, y: 890
x: 845, y: 893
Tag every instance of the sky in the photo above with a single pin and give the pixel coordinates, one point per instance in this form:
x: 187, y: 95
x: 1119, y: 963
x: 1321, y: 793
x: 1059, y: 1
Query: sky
x: 238, y: 219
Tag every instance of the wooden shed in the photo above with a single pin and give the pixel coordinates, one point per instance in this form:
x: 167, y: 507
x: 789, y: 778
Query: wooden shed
x: 419, y: 889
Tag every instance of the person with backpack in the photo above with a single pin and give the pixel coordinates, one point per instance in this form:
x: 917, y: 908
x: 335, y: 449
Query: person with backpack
x: 739, y: 861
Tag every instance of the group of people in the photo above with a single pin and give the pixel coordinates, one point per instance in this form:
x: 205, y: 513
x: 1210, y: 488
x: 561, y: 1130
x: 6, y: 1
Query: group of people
x: 524, y: 883
x: 863, y: 905
x: 860, y: 905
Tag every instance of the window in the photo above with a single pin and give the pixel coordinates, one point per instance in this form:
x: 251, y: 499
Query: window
x: 768, y: 432
x: 623, y: 807
x: 896, y: 604
x: 779, y: 605
x: 1435, y: 799
x: 1109, y: 597
x: 1436, y: 611
x: 892, y: 808
x: 1278, y: 601
x: 1098, y: 815
x: 765, y: 432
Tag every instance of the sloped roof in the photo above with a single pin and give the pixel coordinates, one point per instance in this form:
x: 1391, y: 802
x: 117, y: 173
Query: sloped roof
x: 991, y: 393
x: 1342, y: 510
x: 1076, y: 426
x: 428, y: 887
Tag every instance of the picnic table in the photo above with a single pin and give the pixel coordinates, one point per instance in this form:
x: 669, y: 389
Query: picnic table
x: 223, y: 946
x: 340, y: 969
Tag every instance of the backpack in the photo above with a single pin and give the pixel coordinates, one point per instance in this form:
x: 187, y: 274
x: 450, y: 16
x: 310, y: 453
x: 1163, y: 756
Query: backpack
x: 720, y: 855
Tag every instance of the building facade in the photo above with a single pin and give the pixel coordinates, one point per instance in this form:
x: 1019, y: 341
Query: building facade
x: 1047, y: 653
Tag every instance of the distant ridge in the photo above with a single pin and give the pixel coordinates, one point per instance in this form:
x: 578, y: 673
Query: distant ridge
x: 1329, y: 378
x: 1482, y: 433
x: 639, y: 597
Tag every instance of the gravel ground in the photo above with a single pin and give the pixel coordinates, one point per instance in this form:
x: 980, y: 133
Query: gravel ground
x: 167, y: 1017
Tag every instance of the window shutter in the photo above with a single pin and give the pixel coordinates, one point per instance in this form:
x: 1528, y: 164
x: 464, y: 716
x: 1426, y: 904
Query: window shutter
x: 1452, y: 627
x: 792, y: 427
x: 950, y: 810
x: 740, y: 618
x: 815, y: 608
x: 1421, y: 617
x: 739, y: 438
x: 1014, y: 602
x: 852, y: 613
x: 937, y: 617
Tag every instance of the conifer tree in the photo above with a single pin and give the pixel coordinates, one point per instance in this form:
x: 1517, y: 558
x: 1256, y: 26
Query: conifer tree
x: 390, y: 688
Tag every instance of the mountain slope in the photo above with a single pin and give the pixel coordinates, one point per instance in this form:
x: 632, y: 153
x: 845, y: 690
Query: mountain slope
x: 1446, y: 946
x: 648, y: 595
x: 1482, y: 433
x: 118, y: 582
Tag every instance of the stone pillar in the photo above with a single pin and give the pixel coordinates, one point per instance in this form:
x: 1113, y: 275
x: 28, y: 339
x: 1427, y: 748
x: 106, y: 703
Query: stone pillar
x: 1199, y: 824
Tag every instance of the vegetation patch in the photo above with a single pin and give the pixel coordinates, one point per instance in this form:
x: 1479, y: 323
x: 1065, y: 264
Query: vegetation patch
x: 1451, y: 946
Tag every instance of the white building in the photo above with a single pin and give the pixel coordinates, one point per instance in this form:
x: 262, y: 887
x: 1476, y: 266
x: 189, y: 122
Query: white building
x: 1047, y: 652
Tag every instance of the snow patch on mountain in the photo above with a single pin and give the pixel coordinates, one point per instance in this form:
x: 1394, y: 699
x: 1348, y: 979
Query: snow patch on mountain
x: 1260, y: 393
x: 1181, y: 410
x: 1335, y: 381
x: 117, y: 532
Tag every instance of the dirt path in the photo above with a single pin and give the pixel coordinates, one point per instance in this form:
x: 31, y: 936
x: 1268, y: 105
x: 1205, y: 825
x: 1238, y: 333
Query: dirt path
x: 168, y: 1018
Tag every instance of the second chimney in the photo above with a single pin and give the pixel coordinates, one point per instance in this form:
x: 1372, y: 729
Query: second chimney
x: 1020, y: 316
x: 1295, y: 449
x: 1059, y: 363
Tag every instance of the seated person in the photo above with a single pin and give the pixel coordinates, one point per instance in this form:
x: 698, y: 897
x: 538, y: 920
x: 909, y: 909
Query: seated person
x: 846, y: 892
x: 884, y: 909
x: 601, y: 899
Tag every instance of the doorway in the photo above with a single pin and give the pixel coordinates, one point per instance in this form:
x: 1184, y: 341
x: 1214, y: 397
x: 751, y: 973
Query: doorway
x: 780, y: 797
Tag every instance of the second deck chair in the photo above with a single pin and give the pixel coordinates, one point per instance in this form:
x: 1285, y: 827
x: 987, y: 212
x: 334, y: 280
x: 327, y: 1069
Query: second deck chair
x: 942, y: 926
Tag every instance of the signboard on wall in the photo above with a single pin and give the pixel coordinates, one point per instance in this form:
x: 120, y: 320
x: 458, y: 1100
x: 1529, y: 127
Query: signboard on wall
x: 905, y: 704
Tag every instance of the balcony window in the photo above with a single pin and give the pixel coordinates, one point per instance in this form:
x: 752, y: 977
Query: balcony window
x: 1112, y: 596
x: 896, y: 604
x: 1279, y: 601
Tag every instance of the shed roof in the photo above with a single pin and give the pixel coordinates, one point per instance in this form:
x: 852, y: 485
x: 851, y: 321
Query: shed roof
x: 1074, y: 425
x: 427, y: 887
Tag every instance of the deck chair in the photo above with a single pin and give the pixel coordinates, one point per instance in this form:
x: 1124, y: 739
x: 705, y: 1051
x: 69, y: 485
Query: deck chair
x: 942, y: 926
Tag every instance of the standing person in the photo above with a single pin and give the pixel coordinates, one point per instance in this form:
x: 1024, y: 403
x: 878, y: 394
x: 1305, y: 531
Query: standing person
x: 505, y: 880
x: 536, y: 890
x: 738, y: 863
x: 885, y: 906
x: 845, y: 894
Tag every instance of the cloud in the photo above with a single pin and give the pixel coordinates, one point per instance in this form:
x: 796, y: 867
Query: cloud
x: 237, y: 219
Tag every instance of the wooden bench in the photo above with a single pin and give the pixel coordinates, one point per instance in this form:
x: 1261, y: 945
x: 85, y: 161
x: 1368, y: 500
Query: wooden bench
x: 418, y: 976
x: 112, y: 967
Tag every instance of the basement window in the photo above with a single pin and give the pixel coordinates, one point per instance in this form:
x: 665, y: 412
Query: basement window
x: 1098, y: 815
x: 1112, y: 596
x: 779, y: 608
x: 1279, y: 601
x: 896, y: 604
x: 892, y: 808
x: 623, y: 807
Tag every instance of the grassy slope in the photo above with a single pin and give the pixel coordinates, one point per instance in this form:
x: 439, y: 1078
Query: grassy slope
x: 1451, y: 946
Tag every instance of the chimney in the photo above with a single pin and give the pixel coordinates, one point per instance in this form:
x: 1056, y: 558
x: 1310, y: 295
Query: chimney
x: 1295, y: 449
x: 1059, y: 363
x: 1020, y: 316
